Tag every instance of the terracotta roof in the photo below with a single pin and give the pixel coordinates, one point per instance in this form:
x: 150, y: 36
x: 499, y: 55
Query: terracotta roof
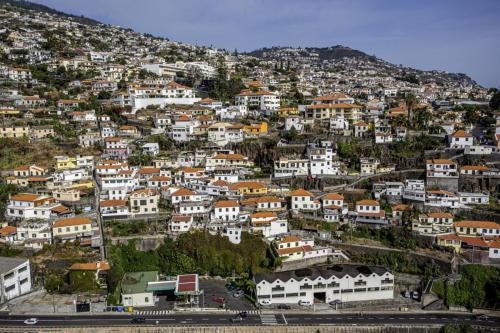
x: 475, y: 167
x: 71, y: 221
x: 440, y: 215
x: 220, y: 183
x: 440, y: 161
x: 301, y: 193
x: 289, y: 239
x: 183, y: 192
x: 147, y: 171
x: 113, y: 203
x: 289, y: 250
x: 461, y: 134
x: 226, y: 203
x: 400, y: 207
x: 90, y: 266
x: 160, y: 178
x: 191, y: 170
x: 260, y: 215
x: 477, y: 224
x: 367, y: 202
x: 333, y: 196
x: 8, y: 230
x: 25, y: 197
x: 268, y: 199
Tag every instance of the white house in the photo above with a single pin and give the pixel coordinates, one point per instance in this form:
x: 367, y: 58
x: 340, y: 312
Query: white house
x: 15, y: 278
x: 302, y: 200
x: 460, y: 139
x: 368, y: 211
x: 343, y: 283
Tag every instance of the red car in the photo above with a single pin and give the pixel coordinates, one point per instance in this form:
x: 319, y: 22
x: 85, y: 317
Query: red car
x: 219, y: 299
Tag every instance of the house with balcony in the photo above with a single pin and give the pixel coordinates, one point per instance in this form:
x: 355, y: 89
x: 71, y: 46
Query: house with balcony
x: 368, y: 211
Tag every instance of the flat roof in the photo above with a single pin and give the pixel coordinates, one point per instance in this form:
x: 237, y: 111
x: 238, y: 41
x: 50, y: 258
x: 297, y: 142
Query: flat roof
x: 7, y: 263
x: 187, y: 283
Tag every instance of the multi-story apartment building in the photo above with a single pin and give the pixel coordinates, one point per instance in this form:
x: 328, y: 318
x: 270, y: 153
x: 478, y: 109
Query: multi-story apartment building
x: 345, y: 283
x: 258, y: 100
x: 441, y: 168
x: 15, y: 278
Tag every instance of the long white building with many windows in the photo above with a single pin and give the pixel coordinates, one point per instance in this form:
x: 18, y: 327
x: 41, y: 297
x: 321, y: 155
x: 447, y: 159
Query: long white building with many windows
x: 346, y: 283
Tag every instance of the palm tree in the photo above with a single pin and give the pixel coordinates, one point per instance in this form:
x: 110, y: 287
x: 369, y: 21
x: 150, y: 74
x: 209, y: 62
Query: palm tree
x: 411, y: 102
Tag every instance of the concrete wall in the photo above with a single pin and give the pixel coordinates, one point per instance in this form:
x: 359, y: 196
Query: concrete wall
x: 247, y: 329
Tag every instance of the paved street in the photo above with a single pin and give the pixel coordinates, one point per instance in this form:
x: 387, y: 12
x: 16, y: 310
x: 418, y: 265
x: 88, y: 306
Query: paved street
x: 212, y: 319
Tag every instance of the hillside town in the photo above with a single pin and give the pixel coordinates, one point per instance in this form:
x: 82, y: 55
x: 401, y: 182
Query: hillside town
x: 144, y: 175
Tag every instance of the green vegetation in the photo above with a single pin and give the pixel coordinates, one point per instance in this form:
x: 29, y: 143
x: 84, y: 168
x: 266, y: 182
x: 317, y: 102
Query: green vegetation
x: 398, y: 262
x: 83, y: 281
x: 5, y: 191
x: 7, y: 251
x: 393, y: 237
x: 121, y: 229
x: 197, y: 252
x: 479, y: 287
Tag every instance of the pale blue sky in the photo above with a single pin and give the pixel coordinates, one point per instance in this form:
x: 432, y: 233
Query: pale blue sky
x: 452, y: 35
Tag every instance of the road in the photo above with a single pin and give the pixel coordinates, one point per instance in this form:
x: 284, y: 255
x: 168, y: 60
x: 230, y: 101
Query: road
x: 216, y: 319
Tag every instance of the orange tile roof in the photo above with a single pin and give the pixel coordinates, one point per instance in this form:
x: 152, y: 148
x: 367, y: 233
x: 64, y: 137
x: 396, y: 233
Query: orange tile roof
x: 400, y: 207
x: 289, y: 239
x: 477, y: 224
x: 475, y: 167
x: 333, y: 196
x: 440, y: 215
x: 24, y: 197
x: 249, y: 184
x: 183, y: 192
x: 8, y: 230
x: 461, y: 134
x: 260, y: 215
x: 226, y: 203
x: 147, y: 171
x: 301, y: 193
x: 113, y: 203
x: 367, y: 202
x: 71, y: 221
x: 440, y: 161
x: 90, y: 266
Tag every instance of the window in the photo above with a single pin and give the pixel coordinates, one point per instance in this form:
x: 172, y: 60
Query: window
x: 146, y: 299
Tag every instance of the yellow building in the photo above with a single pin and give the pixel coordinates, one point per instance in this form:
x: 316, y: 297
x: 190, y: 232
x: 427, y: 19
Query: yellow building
x: 286, y: 112
x: 256, y: 129
x: 249, y: 188
x: 14, y: 131
x: 72, y: 228
x: 65, y: 162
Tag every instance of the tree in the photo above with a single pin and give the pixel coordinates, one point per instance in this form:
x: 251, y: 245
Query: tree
x: 411, y: 102
x: 495, y: 101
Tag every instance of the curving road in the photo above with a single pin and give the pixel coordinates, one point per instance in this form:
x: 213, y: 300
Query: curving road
x: 284, y: 318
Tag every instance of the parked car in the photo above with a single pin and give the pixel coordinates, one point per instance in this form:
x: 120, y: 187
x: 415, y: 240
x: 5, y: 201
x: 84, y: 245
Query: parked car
x: 335, y: 302
x: 265, y: 302
x: 219, y: 299
x: 415, y: 295
x: 284, y: 307
x: 243, y: 314
x: 239, y: 293
x: 236, y: 319
x: 305, y: 303
x: 406, y: 294
x: 481, y: 317
x: 230, y: 286
x: 31, y: 321
x: 138, y: 320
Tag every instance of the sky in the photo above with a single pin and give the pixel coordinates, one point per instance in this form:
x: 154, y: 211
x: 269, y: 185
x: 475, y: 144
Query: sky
x: 452, y: 35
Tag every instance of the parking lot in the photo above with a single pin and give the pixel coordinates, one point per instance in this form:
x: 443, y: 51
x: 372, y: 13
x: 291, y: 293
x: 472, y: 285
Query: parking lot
x: 216, y: 288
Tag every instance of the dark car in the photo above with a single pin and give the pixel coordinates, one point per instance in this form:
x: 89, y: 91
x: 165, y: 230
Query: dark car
x: 243, y: 314
x: 284, y: 307
x: 138, y: 320
x: 481, y: 317
x: 236, y: 319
